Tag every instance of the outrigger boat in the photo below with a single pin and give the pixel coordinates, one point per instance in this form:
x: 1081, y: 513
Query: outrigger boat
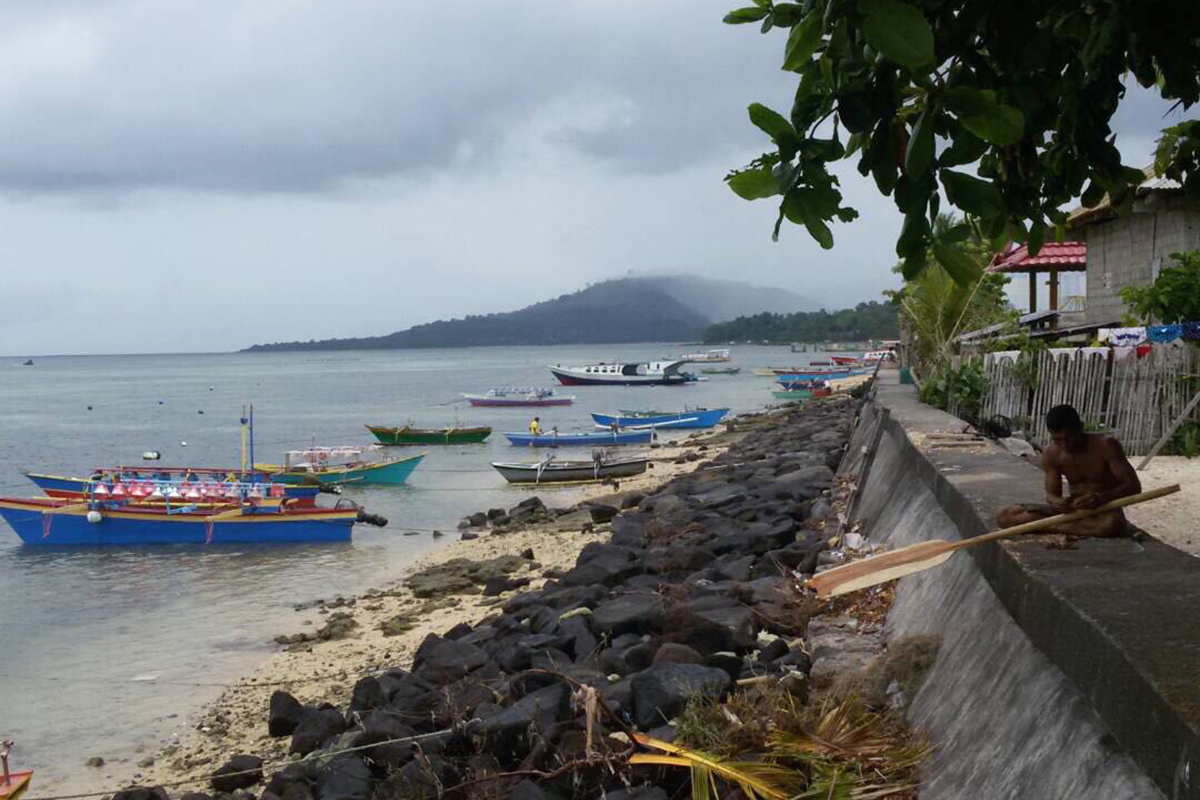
x: 180, y: 482
x: 721, y: 370
x: 555, y: 439
x: 250, y: 517
x: 341, y: 465
x: 551, y: 471
x: 409, y: 435
x: 698, y: 418
x: 652, y: 373
x: 511, y: 396
x: 13, y: 784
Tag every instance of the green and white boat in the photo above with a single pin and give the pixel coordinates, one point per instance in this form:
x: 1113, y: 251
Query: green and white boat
x: 341, y: 466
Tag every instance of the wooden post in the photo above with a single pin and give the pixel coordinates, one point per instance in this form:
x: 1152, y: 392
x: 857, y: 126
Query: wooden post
x: 1053, y: 294
x: 1032, y: 291
x: 1166, y: 437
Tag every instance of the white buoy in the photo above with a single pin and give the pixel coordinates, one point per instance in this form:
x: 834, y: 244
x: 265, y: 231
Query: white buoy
x: 151, y: 455
x: 183, y: 444
x: 94, y: 517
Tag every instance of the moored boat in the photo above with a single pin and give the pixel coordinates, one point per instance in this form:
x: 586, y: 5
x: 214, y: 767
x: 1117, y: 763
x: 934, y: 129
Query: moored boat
x: 697, y: 418
x: 342, y: 465
x: 586, y: 439
x: 793, y: 395
x: 61, y: 521
x: 721, y: 371
x: 519, y: 396
x: 814, y: 375
x: 180, y: 482
x: 551, y: 471
x: 652, y: 373
x: 407, y: 434
x: 709, y: 356
x: 12, y: 783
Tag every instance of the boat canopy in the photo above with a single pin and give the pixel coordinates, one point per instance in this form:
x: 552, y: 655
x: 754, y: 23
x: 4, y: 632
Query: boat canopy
x: 321, y: 456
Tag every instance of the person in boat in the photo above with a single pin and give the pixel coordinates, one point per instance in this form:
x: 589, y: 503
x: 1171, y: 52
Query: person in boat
x: 535, y: 427
x: 1096, y: 470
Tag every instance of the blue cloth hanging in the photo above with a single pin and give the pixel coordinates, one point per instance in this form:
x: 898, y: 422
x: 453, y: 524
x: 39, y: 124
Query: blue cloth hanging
x: 1164, y: 333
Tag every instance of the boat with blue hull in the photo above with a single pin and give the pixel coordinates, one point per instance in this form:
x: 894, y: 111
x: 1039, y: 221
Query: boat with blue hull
x: 698, y: 418
x: 589, y: 439
x: 794, y: 377
x: 46, y: 521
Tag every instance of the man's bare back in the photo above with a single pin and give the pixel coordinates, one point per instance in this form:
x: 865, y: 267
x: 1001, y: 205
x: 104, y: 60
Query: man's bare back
x: 1096, y: 470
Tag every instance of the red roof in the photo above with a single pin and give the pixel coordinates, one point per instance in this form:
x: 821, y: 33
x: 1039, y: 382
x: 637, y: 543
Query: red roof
x: 1066, y: 257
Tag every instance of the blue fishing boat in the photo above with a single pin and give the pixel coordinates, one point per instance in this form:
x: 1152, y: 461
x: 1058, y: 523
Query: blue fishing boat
x: 698, y: 418
x: 554, y: 439
x: 341, y: 465
x: 61, y: 521
x: 828, y: 375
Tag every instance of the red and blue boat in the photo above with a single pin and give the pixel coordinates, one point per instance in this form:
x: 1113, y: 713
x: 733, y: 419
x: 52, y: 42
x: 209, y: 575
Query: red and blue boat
x: 138, y: 483
x: 253, y: 517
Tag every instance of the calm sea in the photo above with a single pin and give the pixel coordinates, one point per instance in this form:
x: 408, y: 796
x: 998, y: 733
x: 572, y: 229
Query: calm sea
x: 110, y: 651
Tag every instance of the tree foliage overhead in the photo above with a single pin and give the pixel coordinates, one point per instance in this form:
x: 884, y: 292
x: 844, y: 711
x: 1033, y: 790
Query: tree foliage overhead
x: 864, y: 322
x: 926, y: 92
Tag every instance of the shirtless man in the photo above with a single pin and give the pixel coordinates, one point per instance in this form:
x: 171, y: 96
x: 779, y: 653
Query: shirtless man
x: 1096, y: 470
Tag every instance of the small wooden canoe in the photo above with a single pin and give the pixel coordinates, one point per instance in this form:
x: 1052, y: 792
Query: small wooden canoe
x: 551, y: 471
x: 425, y: 436
x: 802, y: 394
x: 12, y: 784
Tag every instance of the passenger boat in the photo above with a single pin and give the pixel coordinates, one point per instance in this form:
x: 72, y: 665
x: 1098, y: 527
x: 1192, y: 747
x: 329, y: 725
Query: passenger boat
x: 61, y: 521
x: 409, y: 435
x: 588, y: 439
x: 719, y: 371
x: 551, y: 471
x: 182, y: 482
x: 652, y: 373
x: 710, y: 356
x: 12, y: 784
x: 519, y: 396
x: 341, y: 465
x: 698, y: 418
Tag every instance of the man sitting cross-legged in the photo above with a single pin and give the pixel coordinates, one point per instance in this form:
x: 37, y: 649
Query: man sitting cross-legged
x: 1096, y: 470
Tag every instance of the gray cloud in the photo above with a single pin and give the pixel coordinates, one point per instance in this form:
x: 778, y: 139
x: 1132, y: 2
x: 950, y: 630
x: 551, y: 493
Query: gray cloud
x: 286, y: 96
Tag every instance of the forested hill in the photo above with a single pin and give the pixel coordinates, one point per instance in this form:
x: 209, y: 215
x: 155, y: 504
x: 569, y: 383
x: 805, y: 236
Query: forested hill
x: 865, y: 321
x: 627, y: 310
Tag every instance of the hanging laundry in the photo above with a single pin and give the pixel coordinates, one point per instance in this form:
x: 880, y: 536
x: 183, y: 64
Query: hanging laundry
x: 1122, y: 337
x: 1164, y: 333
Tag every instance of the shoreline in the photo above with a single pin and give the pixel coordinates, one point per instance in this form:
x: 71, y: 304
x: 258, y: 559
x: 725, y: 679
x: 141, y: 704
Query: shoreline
x: 325, y: 672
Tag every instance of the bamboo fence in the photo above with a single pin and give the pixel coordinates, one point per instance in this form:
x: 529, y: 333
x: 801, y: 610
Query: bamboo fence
x: 1134, y: 399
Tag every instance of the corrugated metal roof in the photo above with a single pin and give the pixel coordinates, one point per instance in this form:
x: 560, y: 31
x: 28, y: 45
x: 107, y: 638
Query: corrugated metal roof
x: 1152, y: 183
x: 1064, y: 256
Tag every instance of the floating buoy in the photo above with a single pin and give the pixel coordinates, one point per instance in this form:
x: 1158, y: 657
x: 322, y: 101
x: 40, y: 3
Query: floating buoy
x: 183, y: 444
x: 199, y: 412
x: 94, y: 517
x: 151, y: 455
x: 89, y: 408
x: 162, y: 402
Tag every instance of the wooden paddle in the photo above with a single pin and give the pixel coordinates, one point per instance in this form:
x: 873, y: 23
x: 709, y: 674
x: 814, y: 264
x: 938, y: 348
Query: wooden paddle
x: 885, y: 567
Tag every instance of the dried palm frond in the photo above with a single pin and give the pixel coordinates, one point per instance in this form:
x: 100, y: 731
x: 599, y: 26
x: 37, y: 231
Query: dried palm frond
x: 758, y: 780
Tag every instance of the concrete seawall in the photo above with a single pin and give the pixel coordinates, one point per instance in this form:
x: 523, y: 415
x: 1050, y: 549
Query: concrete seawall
x: 1061, y: 673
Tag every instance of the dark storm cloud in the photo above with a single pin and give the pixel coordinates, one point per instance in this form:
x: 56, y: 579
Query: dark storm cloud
x: 291, y: 96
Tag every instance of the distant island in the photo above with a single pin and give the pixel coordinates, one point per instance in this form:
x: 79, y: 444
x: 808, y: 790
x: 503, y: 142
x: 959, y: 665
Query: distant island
x: 866, y: 321
x: 675, y: 308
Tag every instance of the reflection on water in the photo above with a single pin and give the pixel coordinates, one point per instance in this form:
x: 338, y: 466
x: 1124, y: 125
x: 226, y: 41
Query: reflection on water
x: 105, y: 646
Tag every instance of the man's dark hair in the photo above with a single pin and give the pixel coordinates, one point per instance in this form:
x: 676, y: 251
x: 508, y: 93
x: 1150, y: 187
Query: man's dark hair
x: 1063, y: 418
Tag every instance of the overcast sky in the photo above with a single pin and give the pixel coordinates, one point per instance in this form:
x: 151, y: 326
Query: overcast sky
x: 199, y: 176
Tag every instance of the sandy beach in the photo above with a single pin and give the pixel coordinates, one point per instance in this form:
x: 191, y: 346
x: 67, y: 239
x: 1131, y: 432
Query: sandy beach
x: 325, y: 671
